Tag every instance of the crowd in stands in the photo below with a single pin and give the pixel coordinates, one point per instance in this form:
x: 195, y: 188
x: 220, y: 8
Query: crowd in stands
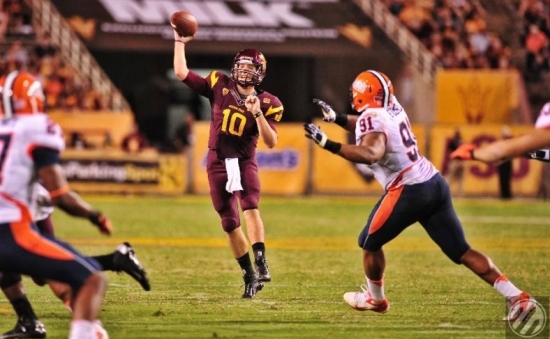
x: 455, y: 31
x: 27, y: 48
x: 535, y: 16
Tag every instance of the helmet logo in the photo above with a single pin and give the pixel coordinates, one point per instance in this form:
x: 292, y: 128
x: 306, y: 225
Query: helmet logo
x: 370, y: 89
x: 359, y: 86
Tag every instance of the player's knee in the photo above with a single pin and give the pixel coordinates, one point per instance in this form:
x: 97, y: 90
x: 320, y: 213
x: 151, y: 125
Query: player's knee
x: 229, y: 224
x: 361, y: 240
x: 39, y: 281
x: 367, y: 245
x: 249, y: 203
x: 455, y: 254
x: 9, y: 279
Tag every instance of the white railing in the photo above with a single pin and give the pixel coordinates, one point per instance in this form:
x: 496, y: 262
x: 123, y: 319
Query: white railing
x: 425, y: 62
x: 73, y: 50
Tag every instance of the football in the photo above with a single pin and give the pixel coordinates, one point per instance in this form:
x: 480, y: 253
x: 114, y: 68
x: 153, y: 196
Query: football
x: 184, y: 23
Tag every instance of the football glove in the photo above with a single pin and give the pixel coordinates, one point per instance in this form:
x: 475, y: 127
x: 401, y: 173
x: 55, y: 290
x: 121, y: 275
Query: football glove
x: 540, y: 154
x: 464, y: 152
x: 329, y: 115
x: 102, y: 223
x: 314, y: 133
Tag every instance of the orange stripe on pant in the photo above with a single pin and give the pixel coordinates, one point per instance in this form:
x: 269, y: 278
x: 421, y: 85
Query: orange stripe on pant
x: 385, y: 209
x: 31, y: 240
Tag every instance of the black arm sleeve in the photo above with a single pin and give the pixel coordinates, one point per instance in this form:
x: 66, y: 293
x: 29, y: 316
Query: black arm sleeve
x: 44, y: 156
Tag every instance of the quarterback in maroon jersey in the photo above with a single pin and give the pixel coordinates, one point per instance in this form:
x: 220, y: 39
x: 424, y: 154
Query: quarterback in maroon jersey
x: 241, y: 114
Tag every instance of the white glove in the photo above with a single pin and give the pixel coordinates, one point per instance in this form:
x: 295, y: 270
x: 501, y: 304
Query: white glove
x: 314, y: 133
x: 329, y: 115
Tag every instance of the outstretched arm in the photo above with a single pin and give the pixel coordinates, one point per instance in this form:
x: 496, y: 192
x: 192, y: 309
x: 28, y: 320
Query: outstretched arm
x: 370, y: 151
x: 515, y: 147
x: 504, y: 149
x: 180, y: 62
x: 53, y: 179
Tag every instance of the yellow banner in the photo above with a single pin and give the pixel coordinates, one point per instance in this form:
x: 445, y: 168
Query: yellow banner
x: 476, y: 97
x: 333, y: 174
x: 283, y: 169
x: 119, y: 172
x: 481, y: 179
x: 95, y: 126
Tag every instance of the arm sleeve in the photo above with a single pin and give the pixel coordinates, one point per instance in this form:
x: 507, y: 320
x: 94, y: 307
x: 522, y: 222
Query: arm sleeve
x: 273, y: 111
x: 43, y: 156
x: 202, y: 86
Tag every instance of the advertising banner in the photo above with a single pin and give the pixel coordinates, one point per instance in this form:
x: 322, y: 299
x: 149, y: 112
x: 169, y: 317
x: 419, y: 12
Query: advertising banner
x: 481, y: 179
x: 476, y: 97
x: 335, y: 175
x: 300, y: 27
x: 295, y: 166
x: 104, y: 171
x: 283, y: 169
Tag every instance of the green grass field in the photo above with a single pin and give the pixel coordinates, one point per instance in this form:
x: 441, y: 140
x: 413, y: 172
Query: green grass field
x: 314, y: 259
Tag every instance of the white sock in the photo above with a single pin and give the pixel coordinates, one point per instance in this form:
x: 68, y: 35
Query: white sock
x: 506, y: 288
x: 100, y: 331
x: 376, y: 288
x: 82, y: 329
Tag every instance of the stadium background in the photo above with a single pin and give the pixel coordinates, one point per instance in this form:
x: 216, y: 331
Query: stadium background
x: 119, y: 54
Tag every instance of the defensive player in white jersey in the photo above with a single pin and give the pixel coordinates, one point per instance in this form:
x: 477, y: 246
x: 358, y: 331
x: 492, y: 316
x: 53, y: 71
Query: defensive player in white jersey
x: 527, y: 145
x: 28, y: 325
x: 414, y: 192
x: 30, y: 144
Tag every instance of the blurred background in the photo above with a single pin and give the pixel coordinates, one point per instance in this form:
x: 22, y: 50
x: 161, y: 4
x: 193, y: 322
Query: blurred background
x: 465, y: 71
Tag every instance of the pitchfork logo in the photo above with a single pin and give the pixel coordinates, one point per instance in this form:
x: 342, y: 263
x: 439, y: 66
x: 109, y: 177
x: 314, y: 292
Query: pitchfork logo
x: 527, y: 320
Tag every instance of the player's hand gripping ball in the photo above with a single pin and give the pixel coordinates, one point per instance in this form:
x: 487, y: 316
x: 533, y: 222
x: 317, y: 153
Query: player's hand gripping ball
x: 184, y: 23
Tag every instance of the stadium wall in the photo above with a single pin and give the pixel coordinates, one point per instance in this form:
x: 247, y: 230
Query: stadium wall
x: 295, y: 167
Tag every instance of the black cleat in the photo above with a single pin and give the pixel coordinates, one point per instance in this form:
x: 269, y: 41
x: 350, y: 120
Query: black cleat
x: 125, y: 260
x: 263, y: 270
x: 251, y: 285
x: 26, y: 328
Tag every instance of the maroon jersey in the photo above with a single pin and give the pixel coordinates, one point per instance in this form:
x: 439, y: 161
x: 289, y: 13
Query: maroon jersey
x: 233, y: 130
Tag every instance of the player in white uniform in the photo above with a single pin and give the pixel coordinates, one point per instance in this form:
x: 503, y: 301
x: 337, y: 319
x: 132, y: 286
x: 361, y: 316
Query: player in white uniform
x: 414, y: 192
x: 528, y: 145
x: 30, y: 144
x: 28, y: 325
